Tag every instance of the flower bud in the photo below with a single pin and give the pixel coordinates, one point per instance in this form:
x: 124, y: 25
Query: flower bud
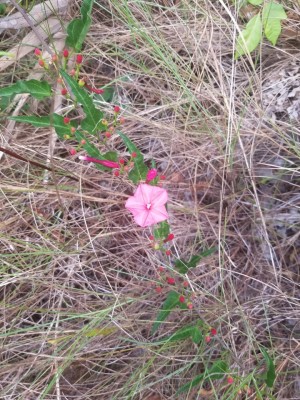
x: 170, y: 280
x: 168, y: 252
x: 66, y: 53
x: 107, y: 135
x: 116, y: 172
x: 72, y: 152
x: 117, y: 109
x: 41, y: 63
x: 181, y: 299
x: 230, y: 380
x: 66, y: 120
x: 54, y: 58
x: 64, y: 91
x: 213, y: 331
x: 79, y: 58
x: 152, y: 174
x: 37, y: 52
x: 72, y: 72
x: 158, y: 289
x: 207, y: 339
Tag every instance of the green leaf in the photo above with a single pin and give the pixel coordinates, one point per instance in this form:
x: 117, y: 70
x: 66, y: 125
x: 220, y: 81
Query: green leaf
x: 162, y: 231
x: 217, y: 371
x: 272, y: 15
x: 271, y: 373
x: 197, y: 336
x: 91, y: 150
x: 169, y: 304
x: 37, y: 89
x: 92, y: 123
x: 250, y: 37
x: 57, y: 121
x: 183, y: 266
x: 78, y: 28
x: 181, y: 334
x: 255, y: 2
x: 140, y: 169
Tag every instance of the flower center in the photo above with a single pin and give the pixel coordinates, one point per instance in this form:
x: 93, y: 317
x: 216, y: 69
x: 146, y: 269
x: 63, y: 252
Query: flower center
x: 148, y: 206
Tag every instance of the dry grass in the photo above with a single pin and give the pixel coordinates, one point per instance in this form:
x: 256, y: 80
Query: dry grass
x: 77, y: 301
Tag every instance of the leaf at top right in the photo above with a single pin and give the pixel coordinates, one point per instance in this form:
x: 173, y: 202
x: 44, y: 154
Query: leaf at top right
x: 272, y: 15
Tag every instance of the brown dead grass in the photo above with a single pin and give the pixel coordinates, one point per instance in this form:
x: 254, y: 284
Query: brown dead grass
x: 77, y: 301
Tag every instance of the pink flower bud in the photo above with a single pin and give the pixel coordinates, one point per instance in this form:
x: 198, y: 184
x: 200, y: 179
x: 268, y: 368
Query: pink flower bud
x: 117, y: 109
x: 230, y: 380
x: 171, y: 281
x: 37, y: 52
x: 66, y: 53
x: 105, y: 163
x: 213, y: 331
x: 79, y: 58
x: 181, y: 299
x: 152, y: 174
x: 72, y: 152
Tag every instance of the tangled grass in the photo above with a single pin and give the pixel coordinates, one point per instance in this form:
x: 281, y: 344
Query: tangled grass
x: 77, y: 295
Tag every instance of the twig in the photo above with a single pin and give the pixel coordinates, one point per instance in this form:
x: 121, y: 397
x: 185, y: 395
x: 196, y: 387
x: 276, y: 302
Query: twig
x: 35, y: 30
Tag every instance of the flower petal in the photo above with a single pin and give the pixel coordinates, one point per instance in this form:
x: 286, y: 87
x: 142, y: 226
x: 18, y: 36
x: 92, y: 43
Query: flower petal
x: 133, y: 204
x: 159, y: 196
x: 141, y: 218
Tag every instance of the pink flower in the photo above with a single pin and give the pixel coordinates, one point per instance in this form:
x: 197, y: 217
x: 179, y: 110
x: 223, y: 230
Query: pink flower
x: 105, y: 163
x: 148, y: 205
x: 152, y: 174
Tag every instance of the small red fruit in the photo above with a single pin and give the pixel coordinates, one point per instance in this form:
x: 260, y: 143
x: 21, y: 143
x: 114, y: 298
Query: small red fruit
x: 168, y: 252
x: 116, y: 172
x: 72, y: 152
x: 54, y: 58
x: 158, y: 289
x: 41, y: 62
x: 73, y: 129
x: 181, y: 299
x: 64, y: 91
x: 133, y: 155
x: 230, y: 380
x: 59, y: 80
x: 79, y: 58
x: 207, y: 339
x: 151, y: 237
x: 185, y: 284
x: 66, y: 120
x: 171, y: 281
x: 37, y: 52
x: 107, y: 135
x: 161, y: 269
x: 83, y: 142
x: 122, y: 161
x: 66, y: 53
x: 189, y: 306
x: 117, y: 109
x: 213, y: 331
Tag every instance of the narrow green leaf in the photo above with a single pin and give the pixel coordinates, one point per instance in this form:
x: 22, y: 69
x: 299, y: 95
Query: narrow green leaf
x: 37, y: 89
x: 250, y: 37
x: 271, y: 373
x: 78, y: 28
x: 272, y: 15
x: 162, y: 231
x: 91, y: 150
x: 197, y: 336
x: 183, y: 266
x: 169, y: 304
x: 92, y: 123
x: 57, y: 121
x: 140, y: 169
x: 255, y: 2
x: 181, y: 334
x: 217, y: 371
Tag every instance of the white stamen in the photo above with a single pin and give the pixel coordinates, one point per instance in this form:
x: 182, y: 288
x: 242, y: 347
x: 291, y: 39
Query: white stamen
x: 148, y: 206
